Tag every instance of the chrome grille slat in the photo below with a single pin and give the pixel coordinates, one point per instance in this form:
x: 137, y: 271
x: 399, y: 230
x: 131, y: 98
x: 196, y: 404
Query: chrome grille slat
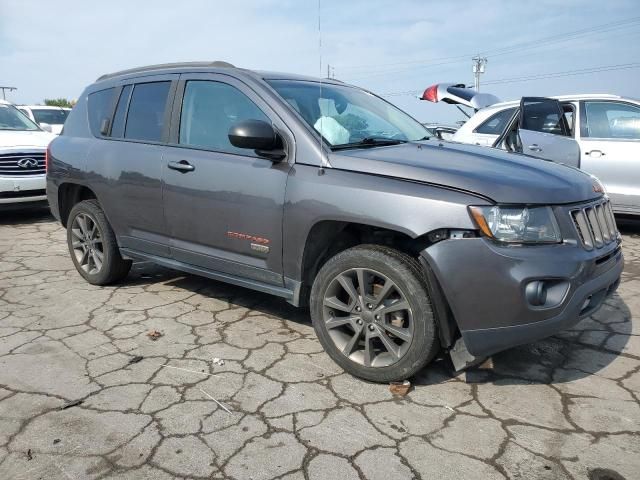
x: 9, y: 164
x: 595, y: 224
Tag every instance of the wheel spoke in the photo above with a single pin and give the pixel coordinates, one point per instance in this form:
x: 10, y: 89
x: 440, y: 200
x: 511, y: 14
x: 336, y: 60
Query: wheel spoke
x: 362, y: 284
x: 339, y: 321
x: 77, y: 233
x: 77, y: 244
x: 347, y: 284
x: 400, y: 304
x: 368, y: 351
x: 333, y: 302
x: 386, y: 289
x: 353, y: 341
x: 389, y: 344
x: 97, y: 262
x: 402, y: 333
x: 82, y: 223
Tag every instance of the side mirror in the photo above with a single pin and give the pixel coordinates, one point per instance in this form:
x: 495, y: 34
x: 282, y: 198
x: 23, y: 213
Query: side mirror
x: 45, y: 126
x: 257, y: 135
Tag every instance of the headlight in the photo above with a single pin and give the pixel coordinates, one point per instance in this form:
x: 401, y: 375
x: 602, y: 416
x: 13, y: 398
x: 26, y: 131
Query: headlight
x: 517, y: 224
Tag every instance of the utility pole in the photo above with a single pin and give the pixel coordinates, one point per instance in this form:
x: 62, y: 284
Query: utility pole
x: 331, y: 71
x: 11, y: 89
x: 478, y: 69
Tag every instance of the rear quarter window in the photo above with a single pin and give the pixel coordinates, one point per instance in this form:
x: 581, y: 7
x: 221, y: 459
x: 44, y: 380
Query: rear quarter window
x: 100, y: 105
x: 496, y: 123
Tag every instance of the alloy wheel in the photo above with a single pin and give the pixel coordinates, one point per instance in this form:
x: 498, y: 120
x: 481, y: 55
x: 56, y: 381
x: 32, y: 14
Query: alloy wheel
x: 368, y: 317
x: 86, y: 242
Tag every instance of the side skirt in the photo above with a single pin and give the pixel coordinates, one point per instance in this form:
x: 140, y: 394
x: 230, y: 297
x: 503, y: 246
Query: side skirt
x: 290, y: 294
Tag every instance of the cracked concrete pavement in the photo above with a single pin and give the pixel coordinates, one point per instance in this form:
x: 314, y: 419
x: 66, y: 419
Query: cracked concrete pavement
x: 566, y: 407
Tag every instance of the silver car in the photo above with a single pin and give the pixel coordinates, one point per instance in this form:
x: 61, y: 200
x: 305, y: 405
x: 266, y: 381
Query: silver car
x: 605, y: 127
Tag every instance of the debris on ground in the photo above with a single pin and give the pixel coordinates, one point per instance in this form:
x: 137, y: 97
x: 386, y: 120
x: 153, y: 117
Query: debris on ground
x: 154, y: 334
x: 218, y: 361
x: 135, y: 359
x: 400, y: 388
x: 72, y: 404
x: 220, y: 404
x: 29, y: 455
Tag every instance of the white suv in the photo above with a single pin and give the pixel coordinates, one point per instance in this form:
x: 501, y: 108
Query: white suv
x: 22, y: 158
x: 45, y: 116
x: 606, y: 127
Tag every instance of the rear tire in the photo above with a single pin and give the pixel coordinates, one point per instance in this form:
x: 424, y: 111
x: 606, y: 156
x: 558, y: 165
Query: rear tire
x: 92, y: 245
x: 371, y: 311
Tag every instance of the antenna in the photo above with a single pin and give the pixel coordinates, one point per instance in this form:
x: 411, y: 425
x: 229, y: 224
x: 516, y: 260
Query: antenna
x: 323, y: 163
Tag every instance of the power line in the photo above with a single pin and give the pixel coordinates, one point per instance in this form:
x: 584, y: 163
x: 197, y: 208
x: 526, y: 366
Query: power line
x: 542, y: 76
x: 382, y: 69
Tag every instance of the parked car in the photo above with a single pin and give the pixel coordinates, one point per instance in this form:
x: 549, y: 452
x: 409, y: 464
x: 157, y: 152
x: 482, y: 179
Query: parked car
x: 49, y: 118
x: 22, y: 159
x: 440, y: 130
x: 605, y: 127
x: 327, y: 195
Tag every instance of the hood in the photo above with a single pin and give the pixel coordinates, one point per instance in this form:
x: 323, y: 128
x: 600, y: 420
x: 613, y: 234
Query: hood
x: 23, y: 138
x: 500, y: 176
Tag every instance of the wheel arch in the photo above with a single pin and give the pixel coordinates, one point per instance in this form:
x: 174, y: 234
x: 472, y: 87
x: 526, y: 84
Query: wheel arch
x: 69, y: 194
x: 327, y: 238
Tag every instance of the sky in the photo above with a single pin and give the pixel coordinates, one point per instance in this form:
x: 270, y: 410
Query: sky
x: 51, y: 49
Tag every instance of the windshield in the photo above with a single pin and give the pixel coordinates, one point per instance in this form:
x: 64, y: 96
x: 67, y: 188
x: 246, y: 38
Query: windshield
x: 52, y: 117
x: 13, y: 119
x: 347, y: 115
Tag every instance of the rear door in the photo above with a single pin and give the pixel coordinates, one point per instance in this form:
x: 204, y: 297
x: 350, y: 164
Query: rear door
x: 223, y: 205
x: 610, y: 144
x: 126, y: 164
x: 544, y: 132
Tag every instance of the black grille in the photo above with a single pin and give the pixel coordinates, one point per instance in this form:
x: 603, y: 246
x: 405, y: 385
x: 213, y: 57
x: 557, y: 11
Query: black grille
x: 23, y: 193
x: 18, y: 164
x: 596, y: 224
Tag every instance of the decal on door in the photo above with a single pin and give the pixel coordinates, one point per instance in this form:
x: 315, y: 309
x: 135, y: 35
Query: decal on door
x: 246, y: 236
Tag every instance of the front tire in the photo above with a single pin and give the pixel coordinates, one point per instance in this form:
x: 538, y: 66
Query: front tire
x: 92, y: 245
x: 372, y: 313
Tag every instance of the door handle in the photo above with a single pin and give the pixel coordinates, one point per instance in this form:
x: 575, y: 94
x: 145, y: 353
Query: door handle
x: 182, y: 166
x: 535, y: 148
x: 595, y: 153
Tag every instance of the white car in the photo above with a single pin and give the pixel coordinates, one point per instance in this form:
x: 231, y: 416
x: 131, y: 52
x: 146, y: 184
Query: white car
x: 22, y: 159
x: 45, y: 116
x: 606, y: 128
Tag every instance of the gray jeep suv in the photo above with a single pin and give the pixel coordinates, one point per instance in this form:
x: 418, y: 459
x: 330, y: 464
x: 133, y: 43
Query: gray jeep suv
x: 326, y: 195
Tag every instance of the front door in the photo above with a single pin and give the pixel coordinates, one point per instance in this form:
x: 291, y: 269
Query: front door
x: 610, y: 145
x: 223, y: 205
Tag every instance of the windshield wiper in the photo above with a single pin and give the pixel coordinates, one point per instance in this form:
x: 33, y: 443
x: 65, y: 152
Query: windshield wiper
x: 369, y: 142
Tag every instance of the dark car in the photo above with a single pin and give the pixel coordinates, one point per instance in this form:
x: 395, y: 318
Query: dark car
x: 328, y: 196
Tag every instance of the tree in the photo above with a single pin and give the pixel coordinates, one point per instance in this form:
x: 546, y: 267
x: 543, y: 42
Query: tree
x: 58, y: 102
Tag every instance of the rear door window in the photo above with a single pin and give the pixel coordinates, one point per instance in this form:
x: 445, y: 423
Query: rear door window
x: 145, y: 120
x: 496, y: 123
x: 544, y: 115
x: 612, y: 120
x: 100, y: 104
x: 117, y: 130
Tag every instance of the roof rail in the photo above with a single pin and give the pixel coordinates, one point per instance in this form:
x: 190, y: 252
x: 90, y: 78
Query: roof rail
x: 166, y: 65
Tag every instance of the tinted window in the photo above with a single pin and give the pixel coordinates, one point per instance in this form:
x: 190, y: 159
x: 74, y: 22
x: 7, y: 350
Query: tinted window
x: 544, y: 115
x: 209, y: 109
x: 52, y: 117
x: 612, y: 120
x: 99, y: 108
x: 496, y: 123
x: 145, y: 120
x: 117, y: 130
